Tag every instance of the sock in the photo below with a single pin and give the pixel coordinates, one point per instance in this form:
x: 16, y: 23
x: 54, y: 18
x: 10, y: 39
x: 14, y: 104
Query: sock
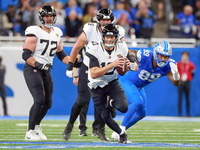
x: 74, y: 113
x: 33, y: 115
x: 41, y: 115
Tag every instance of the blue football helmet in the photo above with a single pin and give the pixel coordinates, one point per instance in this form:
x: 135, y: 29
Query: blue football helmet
x: 162, y: 48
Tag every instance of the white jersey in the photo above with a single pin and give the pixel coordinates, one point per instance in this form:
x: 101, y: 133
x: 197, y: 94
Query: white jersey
x: 101, y: 55
x: 47, y: 43
x: 94, y: 35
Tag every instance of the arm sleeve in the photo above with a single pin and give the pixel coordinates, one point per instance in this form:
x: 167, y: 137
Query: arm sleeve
x: 93, y: 60
x: 130, y: 58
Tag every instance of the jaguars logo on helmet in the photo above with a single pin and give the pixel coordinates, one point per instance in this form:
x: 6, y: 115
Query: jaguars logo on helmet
x: 47, y: 10
x: 105, y: 13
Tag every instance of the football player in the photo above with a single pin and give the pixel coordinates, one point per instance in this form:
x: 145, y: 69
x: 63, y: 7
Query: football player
x: 41, y: 44
x: 152, y: 66
x: 91, y: 33
x: 102, y: 75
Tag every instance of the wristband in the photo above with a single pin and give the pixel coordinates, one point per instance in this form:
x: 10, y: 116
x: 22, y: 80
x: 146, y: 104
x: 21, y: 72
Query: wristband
x: 75, y: 76
x: 132, y: 66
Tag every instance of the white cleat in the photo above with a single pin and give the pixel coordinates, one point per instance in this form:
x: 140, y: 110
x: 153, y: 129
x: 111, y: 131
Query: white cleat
x: 38, y: 131
x: 115, y: 136
x: 32, y: 136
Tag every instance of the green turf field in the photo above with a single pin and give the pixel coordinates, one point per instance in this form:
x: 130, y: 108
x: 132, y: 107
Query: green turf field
x: 144, y: 135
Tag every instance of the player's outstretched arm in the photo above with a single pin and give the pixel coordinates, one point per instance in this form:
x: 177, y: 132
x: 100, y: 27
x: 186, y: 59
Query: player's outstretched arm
x: 173, y: 75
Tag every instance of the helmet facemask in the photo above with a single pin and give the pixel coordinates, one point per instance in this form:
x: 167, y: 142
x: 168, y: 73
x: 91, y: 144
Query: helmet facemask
x: 162, y: 48
x: 47, y: 10
x: 110, y: 30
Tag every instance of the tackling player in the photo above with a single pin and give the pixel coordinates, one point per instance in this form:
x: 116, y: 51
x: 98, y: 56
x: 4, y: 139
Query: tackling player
x: 152, y: 65
x: 102, y: 76
x: 91, y: 33
x: 41, y: 44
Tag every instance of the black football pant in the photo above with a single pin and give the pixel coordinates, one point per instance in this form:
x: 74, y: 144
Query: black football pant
x: 40, y: 85
x: 184, y: 87
x: 99, y: 97
x: 80, y: 107
x: 3, y: 96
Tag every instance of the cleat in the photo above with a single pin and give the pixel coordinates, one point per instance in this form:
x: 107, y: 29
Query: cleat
x: 95, y: 132
x: 82, y: 133
x: 123, y: 138
x: 67, y: 132
x: 38, y: 131
x: 115, y: 136
x: 102, y: 135
x: 31, y: 136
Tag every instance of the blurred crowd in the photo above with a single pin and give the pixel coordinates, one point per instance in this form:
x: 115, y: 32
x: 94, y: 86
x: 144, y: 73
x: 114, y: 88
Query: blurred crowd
x: 138, y: 17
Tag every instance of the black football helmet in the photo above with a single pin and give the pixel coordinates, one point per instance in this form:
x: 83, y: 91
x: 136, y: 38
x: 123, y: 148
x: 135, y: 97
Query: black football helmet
x: 110, y: 30
x: 45, y: 11
x: 105, y: 13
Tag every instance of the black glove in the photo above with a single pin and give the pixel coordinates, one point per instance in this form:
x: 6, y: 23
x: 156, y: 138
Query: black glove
x: 43, y: 66
x: 77, y: 63
x: 70, y: 66
x: 70, y: 71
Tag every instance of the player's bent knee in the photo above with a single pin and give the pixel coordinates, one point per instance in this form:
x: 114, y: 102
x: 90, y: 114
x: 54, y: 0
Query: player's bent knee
x: 39, y: 97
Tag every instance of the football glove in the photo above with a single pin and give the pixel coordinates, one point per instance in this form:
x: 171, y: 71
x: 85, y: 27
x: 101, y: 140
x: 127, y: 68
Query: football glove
x: 70, y: 71
x: 40, y: 66
x: 77, y: 64
x: 174, y: 71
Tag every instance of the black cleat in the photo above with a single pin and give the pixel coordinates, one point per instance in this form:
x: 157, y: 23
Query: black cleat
x: 102, y: 135
x: 95, y: 132
x: 82, y: 133
x: 123, y: 138
x: 67, y: 132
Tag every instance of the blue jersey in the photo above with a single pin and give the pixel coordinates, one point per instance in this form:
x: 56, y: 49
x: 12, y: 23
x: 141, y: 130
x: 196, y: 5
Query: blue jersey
x: 146, y: 73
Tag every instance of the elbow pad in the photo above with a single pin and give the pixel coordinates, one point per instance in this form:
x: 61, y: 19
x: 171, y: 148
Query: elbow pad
x: 26, y: 54
x: 61, y: 55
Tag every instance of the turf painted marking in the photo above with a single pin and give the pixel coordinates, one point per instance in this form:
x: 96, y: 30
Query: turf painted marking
x: 62, y: 145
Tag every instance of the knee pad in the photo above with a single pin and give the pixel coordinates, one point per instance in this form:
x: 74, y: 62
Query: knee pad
x: 39, y: 97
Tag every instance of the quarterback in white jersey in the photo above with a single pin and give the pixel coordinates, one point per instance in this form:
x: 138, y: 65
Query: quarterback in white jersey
x: 91, y: 33
x: 102, y: 76
x: 98, y: 51
x: 41, y: 44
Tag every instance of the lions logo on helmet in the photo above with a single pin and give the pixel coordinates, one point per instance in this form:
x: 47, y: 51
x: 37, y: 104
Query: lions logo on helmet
x: 162, y: 48
x: 110, y: 30
x: 47, y: 10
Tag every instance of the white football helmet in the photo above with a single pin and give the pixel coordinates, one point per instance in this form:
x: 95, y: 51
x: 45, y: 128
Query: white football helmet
x: 162, y: 48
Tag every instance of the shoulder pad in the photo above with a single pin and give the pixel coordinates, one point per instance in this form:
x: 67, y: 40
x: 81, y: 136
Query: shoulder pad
x: 32, y: 30
x: 88, y: 27
x: 58, y: 31
x: 121, y: 31
x: 138, y: 55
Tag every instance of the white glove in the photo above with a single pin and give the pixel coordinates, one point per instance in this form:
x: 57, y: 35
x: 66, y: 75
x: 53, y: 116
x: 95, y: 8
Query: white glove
x: 174, y: 71
x: 70, y: 73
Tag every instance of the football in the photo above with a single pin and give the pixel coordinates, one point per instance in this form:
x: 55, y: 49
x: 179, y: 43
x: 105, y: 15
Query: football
x: 122, y: 71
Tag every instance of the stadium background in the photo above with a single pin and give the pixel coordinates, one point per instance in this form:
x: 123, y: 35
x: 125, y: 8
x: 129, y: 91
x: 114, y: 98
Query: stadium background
x: 162, y: 96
